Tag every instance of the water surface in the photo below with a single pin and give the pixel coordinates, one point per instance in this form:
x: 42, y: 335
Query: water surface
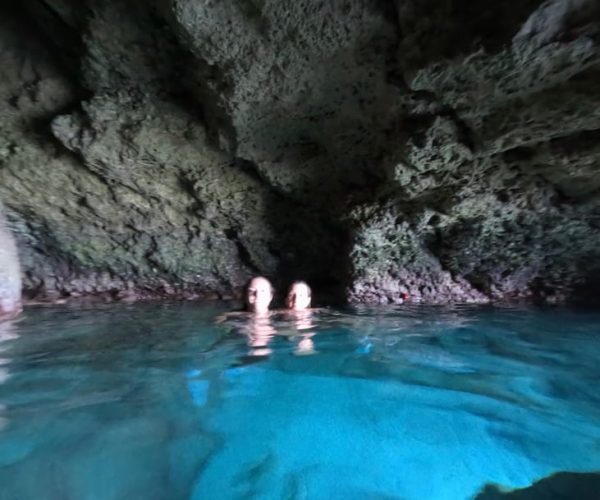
x: 156, y: 401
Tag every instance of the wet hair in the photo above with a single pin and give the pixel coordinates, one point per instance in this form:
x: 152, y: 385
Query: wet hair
x: 300, y: 282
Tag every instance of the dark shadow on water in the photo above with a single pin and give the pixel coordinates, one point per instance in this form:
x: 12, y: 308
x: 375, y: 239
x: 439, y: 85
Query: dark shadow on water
x: 559, y: 486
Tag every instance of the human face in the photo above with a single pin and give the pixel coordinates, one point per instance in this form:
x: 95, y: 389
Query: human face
x: 298, y: 297
x: 259, y: 295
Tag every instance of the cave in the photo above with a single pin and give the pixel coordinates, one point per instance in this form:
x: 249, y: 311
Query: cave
x: 174, y: 149
x: 406, y: 194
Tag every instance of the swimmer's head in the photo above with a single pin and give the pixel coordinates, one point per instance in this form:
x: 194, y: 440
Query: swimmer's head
x: 298, y: 297
x: 259, y: 295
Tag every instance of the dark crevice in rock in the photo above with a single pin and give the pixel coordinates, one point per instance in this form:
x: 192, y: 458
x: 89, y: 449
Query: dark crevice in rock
x: 466, y: 136
x: 250, y: 168
x: 244, y: 255
x: 204, y: 85
x: 560, y: 485
x: 394, y: 70
x: 383, y: 147
x: 434, y: 31
x: 188, y: 186
x: 574, y: 143
x: 191, y: 82
x: 62, y: 40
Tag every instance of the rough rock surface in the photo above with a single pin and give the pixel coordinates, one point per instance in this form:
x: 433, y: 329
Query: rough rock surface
x: 445, y: 149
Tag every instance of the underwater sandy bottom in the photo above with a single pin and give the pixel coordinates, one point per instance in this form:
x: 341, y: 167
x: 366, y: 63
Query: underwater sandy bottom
x: 156, y: 401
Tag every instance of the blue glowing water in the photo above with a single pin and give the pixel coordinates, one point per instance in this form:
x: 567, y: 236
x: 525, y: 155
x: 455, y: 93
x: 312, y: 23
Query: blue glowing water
x: 155, y: 401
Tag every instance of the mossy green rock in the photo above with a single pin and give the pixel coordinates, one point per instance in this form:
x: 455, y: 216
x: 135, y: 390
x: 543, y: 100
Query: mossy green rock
x: 443, y: 149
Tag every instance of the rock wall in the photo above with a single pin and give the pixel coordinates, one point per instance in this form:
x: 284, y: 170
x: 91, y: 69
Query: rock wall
x: 444, y: 149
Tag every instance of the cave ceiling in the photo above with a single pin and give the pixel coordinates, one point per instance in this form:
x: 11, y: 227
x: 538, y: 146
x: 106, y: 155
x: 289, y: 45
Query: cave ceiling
x: 448, y: 149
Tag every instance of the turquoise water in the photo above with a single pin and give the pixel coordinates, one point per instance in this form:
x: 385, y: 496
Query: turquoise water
x: 155, y: 401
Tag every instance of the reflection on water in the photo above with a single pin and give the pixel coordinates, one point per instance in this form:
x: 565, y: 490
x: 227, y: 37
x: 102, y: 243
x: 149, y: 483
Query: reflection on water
x: 262, y: 329
x: 302, y: 321
x: 7, y: 332
x: 158, y: 401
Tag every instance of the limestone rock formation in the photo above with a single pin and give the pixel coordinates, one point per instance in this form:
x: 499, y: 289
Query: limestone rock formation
x: 444, y: 149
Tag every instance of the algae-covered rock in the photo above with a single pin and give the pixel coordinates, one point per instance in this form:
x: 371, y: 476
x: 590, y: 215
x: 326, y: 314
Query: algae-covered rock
x: 447, y: 150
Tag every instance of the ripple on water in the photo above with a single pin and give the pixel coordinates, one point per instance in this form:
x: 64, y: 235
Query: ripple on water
x: 157, y: 401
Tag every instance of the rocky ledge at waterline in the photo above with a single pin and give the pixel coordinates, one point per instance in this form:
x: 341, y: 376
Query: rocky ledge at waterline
x: 445, y: 149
